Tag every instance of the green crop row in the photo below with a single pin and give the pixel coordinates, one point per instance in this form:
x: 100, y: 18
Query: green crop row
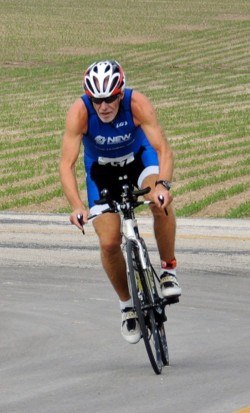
x: 190, y: 58
x: 196, y: 206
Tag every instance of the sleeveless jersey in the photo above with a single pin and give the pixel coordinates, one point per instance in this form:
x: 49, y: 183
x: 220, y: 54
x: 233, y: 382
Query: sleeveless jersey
x: 114, y: 149
x: 115, y: 139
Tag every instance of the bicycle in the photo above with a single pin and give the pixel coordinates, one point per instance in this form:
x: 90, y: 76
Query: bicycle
x: 144, y: 283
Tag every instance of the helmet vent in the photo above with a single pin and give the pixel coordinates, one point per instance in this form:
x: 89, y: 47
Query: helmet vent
x: 114, y: 83
x: 97, y: 84
x: 89, y: 86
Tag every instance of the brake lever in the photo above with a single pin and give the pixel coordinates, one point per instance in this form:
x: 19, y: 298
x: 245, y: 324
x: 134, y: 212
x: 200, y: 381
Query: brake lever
x: 161, y: 199
x: 80, y: 220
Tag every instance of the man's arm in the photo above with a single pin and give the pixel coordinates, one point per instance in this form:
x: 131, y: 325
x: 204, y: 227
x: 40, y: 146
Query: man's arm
x: 144, y: 115
x: 76, y: 124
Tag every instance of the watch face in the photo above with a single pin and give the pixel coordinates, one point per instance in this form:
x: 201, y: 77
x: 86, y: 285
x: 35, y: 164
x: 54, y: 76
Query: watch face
x: 166, y: 184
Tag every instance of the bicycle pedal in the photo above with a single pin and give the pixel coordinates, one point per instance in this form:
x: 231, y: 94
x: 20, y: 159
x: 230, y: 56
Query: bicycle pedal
x: 171, y: 300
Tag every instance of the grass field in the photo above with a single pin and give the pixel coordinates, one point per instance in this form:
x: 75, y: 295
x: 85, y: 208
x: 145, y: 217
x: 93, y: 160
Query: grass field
x: 191, y: 58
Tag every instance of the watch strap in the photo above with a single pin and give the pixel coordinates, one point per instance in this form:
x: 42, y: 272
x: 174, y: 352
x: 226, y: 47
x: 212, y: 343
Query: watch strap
x: 165, y: 183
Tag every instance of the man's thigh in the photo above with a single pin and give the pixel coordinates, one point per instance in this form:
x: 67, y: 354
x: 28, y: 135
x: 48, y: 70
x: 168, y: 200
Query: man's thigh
x: 108, y: 228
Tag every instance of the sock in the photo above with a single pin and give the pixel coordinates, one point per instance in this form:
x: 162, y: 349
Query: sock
x: 125, y: 304
x: 169, y: 266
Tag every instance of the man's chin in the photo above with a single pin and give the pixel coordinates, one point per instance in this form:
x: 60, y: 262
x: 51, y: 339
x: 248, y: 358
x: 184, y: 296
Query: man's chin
x: 106, y: 118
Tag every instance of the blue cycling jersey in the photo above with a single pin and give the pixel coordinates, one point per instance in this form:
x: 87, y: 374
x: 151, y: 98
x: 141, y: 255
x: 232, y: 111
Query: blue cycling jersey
x: 113, y: 139
x: 119, y: 143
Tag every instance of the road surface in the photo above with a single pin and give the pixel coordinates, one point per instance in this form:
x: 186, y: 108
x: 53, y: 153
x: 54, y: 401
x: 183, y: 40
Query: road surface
x: 60, y: 345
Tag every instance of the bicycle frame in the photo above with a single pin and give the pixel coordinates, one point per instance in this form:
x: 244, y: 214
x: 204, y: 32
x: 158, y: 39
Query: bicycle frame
x: 126, y: 211
x: 132, y: 232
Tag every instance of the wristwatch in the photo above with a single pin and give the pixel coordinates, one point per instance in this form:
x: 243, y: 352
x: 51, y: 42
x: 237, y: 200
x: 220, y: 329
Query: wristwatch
x: 165, y: 183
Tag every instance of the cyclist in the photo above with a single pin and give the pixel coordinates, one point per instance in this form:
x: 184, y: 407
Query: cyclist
x: 123, y: 142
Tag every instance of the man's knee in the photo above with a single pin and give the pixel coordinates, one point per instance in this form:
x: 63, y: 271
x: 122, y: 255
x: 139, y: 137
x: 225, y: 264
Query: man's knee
x: 110, y: 245
x: 161, y: 213
x: 108, y: 230
x: 157, y: 212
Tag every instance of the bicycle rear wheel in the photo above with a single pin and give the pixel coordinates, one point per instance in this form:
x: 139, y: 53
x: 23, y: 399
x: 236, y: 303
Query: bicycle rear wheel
x: 143, y: 298
x: 163, y: 344
x: 153, y: 283
x: 159, y: 313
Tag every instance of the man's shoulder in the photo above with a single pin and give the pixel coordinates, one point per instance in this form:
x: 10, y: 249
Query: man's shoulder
x: 77, y: 114
x: 138, y: 96
x: 77, y: 107
x: 141, y: 107
x: 139, y: 100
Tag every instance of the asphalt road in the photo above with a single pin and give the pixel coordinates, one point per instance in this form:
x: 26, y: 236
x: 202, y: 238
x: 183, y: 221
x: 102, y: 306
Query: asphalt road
x: 60, y: 345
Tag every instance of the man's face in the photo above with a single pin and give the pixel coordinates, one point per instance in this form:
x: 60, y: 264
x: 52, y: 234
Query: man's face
x: 106, y: 110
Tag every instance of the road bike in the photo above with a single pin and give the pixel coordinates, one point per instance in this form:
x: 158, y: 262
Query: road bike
x: 144, y: 283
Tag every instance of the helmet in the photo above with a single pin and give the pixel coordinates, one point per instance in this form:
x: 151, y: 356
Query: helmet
x: 104, y: 79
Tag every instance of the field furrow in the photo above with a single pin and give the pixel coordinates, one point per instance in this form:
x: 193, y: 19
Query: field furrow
x: 190, y: 58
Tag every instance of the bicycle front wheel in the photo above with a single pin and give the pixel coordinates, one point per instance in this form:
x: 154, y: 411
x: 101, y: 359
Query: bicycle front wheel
x: 144, y: 306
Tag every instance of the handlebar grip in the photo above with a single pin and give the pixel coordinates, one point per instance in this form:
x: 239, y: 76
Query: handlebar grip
x: 105, y: 199
x: 143, y: 191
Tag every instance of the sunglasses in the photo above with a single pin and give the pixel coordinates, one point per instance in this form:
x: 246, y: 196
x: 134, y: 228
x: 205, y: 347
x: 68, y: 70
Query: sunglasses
x: 110, y: 99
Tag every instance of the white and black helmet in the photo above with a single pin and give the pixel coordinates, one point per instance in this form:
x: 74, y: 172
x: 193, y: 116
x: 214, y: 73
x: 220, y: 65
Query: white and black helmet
x: 104, y: 79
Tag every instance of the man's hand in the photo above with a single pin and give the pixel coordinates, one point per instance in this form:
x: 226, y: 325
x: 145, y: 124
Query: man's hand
x: 162, y: 197
x: 79, y: 217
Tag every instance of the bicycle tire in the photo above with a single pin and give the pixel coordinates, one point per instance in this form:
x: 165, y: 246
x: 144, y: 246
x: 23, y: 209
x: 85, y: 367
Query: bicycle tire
x: 142, y: 298
x: 163, y: 345
x: 158, y: 312
x: 152, y: 280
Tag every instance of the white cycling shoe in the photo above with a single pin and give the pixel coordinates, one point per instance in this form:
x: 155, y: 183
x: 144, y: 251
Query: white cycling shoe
x: 130, y: 328
x: 169, y: 285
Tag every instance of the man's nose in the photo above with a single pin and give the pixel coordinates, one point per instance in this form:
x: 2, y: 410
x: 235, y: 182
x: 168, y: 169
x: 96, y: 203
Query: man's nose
x: 103, y: 105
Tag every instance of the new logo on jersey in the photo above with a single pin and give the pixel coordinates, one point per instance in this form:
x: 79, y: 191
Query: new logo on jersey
x: 100, y: 140
x: 112, y: 140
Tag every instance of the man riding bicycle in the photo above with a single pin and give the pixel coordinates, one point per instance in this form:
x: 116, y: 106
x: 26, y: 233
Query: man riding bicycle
x: 123, y: 141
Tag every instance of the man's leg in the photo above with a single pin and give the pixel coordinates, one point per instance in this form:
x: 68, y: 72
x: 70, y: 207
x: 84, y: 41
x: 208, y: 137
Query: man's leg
x: 165, y: 229
x: 107, y: 227
x: 164, y: 225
